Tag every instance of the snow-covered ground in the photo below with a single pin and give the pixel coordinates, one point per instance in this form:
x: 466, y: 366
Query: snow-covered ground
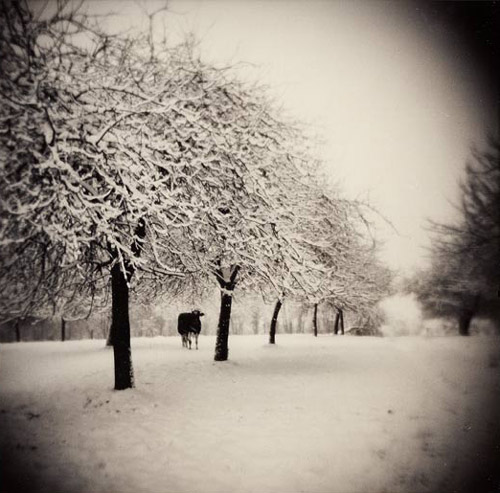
x: 327, y: 414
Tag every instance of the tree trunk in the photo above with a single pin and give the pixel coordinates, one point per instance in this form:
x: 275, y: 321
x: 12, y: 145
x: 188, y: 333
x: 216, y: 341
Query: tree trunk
x: 315, y: 320
x: 221, y: 346
x: 120, y: 328
x: 342, y: 322
x: 119, y: 333
x: 274, y: 321
x: 464, y: 319
x: 227, y: 288
x: 466, y: 314
x: 18, y: 331
x: 337, y: 321
x: 63, y: 329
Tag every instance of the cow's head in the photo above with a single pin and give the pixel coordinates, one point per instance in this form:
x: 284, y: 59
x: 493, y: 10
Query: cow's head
x: 197, y: 312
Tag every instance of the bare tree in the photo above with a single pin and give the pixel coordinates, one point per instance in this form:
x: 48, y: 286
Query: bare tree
x: 463, y: 279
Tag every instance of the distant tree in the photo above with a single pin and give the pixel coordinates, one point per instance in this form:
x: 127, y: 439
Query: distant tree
x: 315, y: 320
x: 464, y: 277
x: 319, y: 217
x: 339, y: 322
x: 340, y: 267
x: 366, y: 281
x: 353, y: 277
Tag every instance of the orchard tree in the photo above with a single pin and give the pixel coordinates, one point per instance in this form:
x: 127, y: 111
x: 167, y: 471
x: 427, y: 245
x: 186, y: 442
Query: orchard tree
x: 323, y: 230
x: 340, y: 268
x: 247, y: 187
x: 352, y: 277
x: 72, y: 210
x: 367, y: 281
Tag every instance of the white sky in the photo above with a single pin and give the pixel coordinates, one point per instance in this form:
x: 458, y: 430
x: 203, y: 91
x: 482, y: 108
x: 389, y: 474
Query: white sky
x: 392, y: 101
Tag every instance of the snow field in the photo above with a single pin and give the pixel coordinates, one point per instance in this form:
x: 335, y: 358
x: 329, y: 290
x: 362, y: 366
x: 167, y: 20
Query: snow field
x: 327, y: 414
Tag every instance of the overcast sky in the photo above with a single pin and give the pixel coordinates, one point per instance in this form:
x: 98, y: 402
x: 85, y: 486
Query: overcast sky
x: 391, y: 87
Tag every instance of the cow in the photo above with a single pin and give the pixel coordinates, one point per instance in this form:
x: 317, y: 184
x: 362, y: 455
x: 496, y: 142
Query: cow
x: 187, y: 324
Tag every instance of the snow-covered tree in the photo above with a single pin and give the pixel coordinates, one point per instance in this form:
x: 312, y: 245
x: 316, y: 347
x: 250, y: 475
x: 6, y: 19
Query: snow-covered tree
x: 321, y: 224
x: 340, y: 265
x: 355, y: 279
x: 64, y: 212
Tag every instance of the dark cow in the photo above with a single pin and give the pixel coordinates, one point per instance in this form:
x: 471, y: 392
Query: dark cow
x: 187, y: 324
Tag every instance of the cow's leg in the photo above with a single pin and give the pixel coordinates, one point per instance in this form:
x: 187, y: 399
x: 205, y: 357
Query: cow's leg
x: 189, y: 339
x: 184, y: 341
x: 196, y: 339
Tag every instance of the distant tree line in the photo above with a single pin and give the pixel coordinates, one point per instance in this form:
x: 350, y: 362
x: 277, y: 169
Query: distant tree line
x: 250, y: 316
